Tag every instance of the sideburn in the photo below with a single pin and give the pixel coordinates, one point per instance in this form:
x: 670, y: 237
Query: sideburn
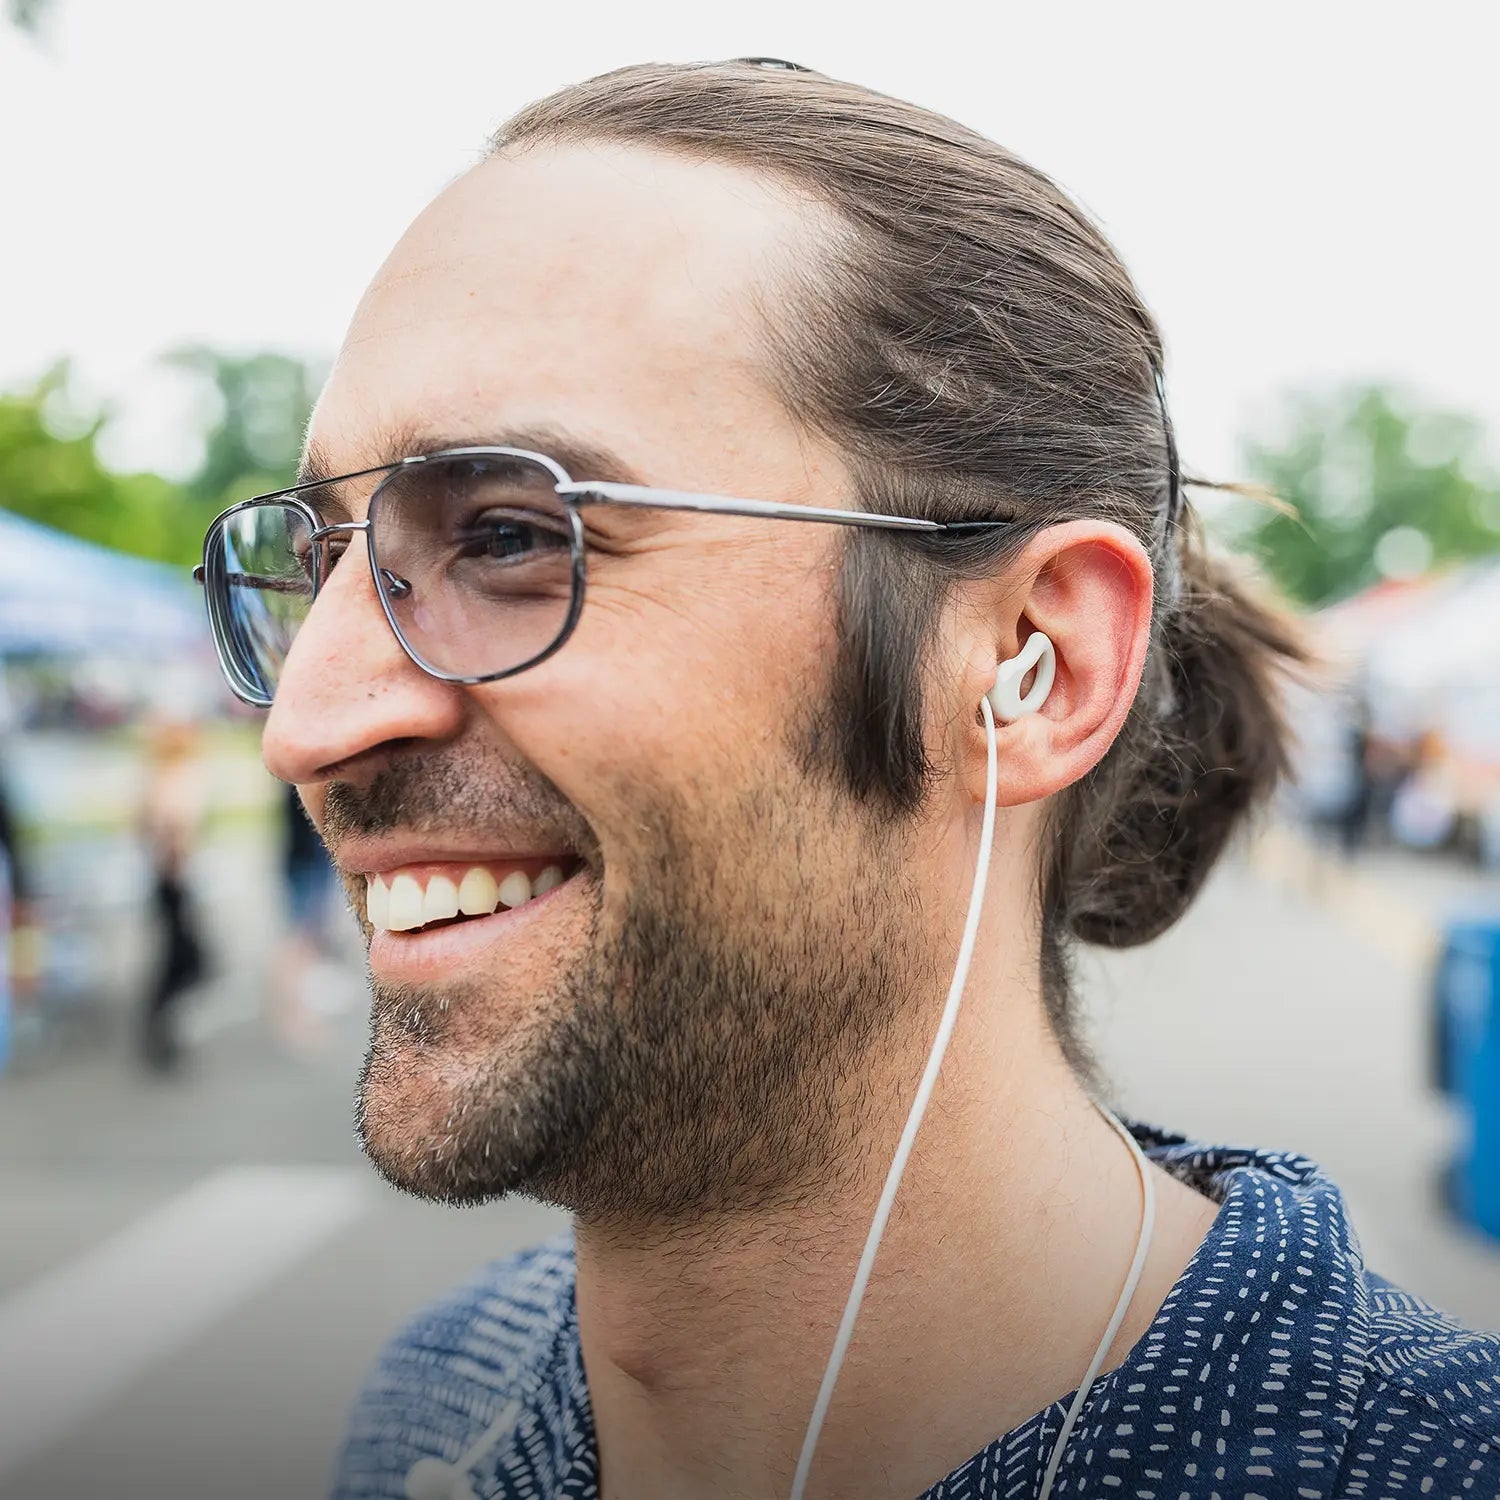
x: 867, y: 733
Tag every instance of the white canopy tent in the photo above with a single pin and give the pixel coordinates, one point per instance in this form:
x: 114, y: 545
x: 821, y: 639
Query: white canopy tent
x: 1437, y: 662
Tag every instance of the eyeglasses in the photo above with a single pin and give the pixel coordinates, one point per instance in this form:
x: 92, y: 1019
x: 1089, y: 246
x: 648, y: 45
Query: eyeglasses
x: 477, y: 554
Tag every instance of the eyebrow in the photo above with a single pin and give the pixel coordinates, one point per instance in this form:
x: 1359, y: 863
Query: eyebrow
x: 582, y: 458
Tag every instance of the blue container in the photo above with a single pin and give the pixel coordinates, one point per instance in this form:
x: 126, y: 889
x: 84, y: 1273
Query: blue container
x: 1467, y: 1062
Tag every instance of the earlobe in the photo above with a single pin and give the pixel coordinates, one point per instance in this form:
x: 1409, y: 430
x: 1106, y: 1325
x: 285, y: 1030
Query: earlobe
x: 1005, y: 696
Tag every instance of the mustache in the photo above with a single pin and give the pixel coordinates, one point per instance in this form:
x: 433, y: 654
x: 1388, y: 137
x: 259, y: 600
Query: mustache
x: 437, y: 793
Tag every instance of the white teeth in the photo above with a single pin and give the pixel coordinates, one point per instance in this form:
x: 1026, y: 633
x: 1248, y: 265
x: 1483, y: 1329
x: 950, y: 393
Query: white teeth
x: 377, y: 902
x: 478, y: 895
x: 441, y: 899
x: 405, y: 904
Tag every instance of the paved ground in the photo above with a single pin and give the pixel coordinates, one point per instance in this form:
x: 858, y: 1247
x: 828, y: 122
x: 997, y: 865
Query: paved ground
x: 194, y: 1274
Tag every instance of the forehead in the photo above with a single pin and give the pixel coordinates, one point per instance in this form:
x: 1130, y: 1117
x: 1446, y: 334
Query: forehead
x: 602, y: 290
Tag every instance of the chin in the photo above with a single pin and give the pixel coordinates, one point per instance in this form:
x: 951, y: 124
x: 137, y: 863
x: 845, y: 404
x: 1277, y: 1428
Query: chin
x: 412, y: 1097
x: 447, y: 1111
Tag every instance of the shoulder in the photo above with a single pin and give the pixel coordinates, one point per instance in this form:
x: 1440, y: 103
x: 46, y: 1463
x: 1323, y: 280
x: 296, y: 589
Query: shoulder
x: 448, y: 1374
x: 1430, y: 1403
x: 501, y: 1321
x: 1405, y: 1395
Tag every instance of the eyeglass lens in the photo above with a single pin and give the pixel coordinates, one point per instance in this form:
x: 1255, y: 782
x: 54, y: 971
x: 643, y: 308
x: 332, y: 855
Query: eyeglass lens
x: 259, y: 580
x: 474, y: 565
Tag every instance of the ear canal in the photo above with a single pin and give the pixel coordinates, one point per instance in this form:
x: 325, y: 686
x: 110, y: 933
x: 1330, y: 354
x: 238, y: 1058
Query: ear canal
x: 1005, y: 697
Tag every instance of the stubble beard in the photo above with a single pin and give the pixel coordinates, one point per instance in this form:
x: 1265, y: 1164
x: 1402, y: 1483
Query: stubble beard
x: 708, y: 1050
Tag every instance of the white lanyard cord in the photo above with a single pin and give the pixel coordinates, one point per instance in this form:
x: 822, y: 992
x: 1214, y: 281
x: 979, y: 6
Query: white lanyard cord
x: 913, y: 1118
x: 1132, y: 1280
x: 903, y: 1151
x: 434, y: 1477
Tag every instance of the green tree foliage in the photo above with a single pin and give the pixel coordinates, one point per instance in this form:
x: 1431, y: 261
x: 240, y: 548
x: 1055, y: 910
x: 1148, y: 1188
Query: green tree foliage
x: 27, y: 14
x: 1374, y: 486
x: 263, y: 402
x: 56, y: 477
x: 52, y: 472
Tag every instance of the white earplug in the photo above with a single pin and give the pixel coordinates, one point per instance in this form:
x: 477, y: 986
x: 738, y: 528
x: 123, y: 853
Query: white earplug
x: 1005, y: 697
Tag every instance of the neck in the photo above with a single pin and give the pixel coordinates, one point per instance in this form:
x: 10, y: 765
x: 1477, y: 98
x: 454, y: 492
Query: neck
x: 1013, y: 1230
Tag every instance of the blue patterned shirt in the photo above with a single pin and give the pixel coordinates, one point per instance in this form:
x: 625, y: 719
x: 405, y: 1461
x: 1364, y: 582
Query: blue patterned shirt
x: 1278, y: 1366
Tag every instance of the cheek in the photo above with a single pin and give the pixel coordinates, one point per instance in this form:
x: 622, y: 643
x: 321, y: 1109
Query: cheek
x: 673, y: 674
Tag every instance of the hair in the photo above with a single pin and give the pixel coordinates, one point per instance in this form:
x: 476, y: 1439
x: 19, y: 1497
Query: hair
x: 971, y: 342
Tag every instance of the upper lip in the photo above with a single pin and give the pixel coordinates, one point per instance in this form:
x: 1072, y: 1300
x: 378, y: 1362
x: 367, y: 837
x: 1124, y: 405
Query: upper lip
x: 371, y: 856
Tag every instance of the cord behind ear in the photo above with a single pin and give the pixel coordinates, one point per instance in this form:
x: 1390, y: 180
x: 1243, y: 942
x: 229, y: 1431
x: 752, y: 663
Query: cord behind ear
x: 1005, y: 697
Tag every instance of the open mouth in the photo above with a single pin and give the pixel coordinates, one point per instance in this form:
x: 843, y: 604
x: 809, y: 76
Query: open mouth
x: 421, y: 898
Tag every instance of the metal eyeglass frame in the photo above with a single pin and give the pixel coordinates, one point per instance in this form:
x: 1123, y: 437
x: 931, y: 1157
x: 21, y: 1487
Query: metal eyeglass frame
x: 573, y: 493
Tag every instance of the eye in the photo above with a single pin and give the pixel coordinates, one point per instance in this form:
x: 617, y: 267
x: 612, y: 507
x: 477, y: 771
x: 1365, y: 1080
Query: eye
x: 305, y: 554
x: 511, y: 535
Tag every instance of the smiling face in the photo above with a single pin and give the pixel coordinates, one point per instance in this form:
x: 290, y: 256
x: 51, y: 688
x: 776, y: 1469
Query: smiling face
x: 717, y: 939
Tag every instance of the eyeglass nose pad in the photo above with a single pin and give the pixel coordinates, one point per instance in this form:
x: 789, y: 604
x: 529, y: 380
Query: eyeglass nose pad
x: 396, y: 588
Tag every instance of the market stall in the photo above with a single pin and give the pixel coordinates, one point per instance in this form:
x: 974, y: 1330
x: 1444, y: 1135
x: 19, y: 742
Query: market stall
x: 90, y: 639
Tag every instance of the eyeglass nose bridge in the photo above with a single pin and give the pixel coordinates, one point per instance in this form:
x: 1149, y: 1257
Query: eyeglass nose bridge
x: 396, y: 587
x: 322, y: 531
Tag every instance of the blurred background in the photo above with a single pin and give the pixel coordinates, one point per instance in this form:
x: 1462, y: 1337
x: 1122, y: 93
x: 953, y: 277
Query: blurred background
x: 196, y: 1265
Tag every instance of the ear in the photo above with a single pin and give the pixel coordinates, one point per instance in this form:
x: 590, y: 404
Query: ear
x: 1088, y: 586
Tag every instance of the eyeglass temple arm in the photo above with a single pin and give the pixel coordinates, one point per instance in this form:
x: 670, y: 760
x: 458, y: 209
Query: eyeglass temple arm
x: 723, y: 505
x: 608, y: 493
x: 258, y: 581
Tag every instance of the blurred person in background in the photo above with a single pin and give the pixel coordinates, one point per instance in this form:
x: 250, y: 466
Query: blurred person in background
x: 10, y: 901
x: 1352, y: 817
x: 11, y: 853
x: 171, y: 816
x: 18, y: 938
x: 1389, y: 761
x: 663, y: 882
x: 1422, y: 813
x: 307, y: 983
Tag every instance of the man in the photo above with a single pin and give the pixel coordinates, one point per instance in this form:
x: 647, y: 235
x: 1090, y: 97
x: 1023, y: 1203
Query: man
x: 663, y: 811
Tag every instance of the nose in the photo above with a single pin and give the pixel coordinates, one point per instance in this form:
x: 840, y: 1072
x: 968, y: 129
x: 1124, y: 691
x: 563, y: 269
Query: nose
x: 349, y: 697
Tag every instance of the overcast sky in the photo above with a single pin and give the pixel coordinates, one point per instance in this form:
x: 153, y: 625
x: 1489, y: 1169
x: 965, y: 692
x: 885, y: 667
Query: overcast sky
x: 1305, y: 192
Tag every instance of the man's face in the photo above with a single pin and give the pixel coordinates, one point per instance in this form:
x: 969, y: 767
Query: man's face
x: 686, y: 1022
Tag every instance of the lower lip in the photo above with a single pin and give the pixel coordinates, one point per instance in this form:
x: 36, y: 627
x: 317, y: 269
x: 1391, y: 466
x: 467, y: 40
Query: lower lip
x: 421, y: 957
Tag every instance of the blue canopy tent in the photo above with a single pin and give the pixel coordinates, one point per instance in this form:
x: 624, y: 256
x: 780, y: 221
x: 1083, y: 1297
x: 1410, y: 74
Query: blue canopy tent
x: 62, y: 596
